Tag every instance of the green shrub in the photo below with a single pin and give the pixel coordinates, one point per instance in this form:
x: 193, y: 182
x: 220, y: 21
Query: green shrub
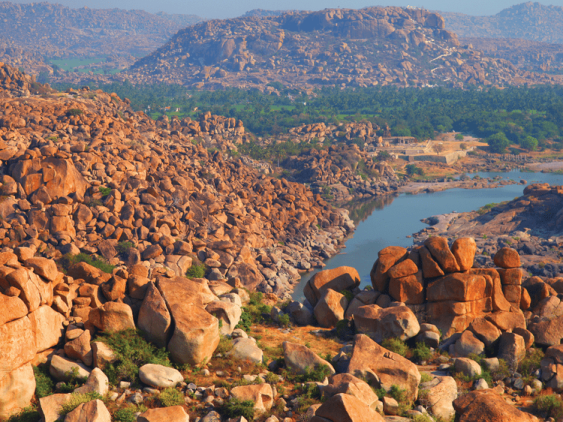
x: 284, y: 320
x: 124, y: 247
x: 74, y: 112
x: 132, y: 351
x: 317, y: 374
x: 422, y: 352
x: 73, y: 382
x: 171, y: 397
x: 395, y: 345
x: 425, y: 377
x: 126, y: 414
x: 104, y: 191
x: 44, y: 385
x: 272, y: 378
x: 381, y: 392
x: 531, y: 362
x: 28, y: 414
x: 76, y: 399
x: 348, y: 295
x: 69, y: 260
x: 225, y: 345
x: 196, y: 271
x: 254, y: 312
x: 398, y: 394
x: 234, y: 408
x: 310, y: 394
x: 550, y: 405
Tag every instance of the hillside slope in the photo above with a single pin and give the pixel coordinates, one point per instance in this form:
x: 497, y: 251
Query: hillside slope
x: 529, y: 21
x: 346, y: 47
x: 54, y: 30
x: 119, y: 176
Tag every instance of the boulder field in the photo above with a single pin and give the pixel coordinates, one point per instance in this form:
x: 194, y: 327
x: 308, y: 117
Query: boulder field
x: 123, y: 240
x: 56, y: 319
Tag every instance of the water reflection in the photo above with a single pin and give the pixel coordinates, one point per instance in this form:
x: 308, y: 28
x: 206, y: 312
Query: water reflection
x: 361, y: 209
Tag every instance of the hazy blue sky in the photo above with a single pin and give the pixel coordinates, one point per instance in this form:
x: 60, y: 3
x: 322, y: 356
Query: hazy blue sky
x: 230, y: 8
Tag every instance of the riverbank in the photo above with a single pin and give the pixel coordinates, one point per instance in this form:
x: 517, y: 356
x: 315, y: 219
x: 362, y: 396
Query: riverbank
x: 393, y: 219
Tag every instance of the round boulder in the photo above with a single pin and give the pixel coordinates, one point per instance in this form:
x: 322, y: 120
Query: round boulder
x: 159, y: 376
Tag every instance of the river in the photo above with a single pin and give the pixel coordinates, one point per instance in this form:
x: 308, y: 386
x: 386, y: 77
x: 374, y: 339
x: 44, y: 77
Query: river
x: 389, y: 220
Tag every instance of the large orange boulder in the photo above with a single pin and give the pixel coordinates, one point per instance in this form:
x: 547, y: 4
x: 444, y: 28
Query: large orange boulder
x: 48, y: 327
x: 44, y: 267
x: 487, y: 405
x: 16, y: 390
x: 112, y: 317
x: 387, y: 258
x: 380, y: 324
x: 59, y: 177
x: 345, y: 408
x: 547, y: 332
x: 507, y: 258
x: 511, y: 276
x: 196, y: 334
x: 430, y: 268
x: 154, y: 319
x: 507, y: 321
x: 440, y: 250
x: 17, y: 344
x: 403, y: 269
x: 349, y: 384
x: 492, y: 276
x: 408, y: 289
x: 261, y: 395
x: 336, y: 279
x: 196, y: 331
x: 299, y: 359
x: 464, y: 250
x: 330, y: 308
x: 384, y: 368
x: 459, y: 287
x: 164, y: 414
x: 12, y: 308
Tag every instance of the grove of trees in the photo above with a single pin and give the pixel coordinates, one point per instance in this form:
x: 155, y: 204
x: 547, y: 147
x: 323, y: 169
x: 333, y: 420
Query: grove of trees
x: 525, y: 116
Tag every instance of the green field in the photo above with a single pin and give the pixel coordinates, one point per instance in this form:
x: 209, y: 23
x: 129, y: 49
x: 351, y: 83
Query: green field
x: 72, y: 64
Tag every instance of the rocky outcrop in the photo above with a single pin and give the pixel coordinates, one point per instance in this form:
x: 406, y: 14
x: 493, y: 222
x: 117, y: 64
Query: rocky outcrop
x: 313, y: 49
x: 377, y: 364
x: 488, y: 405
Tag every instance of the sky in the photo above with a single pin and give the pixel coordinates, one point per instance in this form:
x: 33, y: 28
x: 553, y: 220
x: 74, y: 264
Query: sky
x: 228, y: 8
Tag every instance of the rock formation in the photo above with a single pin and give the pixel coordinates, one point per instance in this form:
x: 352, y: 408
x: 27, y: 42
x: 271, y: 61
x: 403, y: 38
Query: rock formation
x: 343, y: 47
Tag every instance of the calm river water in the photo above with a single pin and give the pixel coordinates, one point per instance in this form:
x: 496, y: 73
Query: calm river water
x: 387, y: 221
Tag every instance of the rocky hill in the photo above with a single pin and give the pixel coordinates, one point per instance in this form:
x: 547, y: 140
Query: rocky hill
x: 53, y: 30
x: 406, y: 47
x: 533, y: 56
x: 102, y: 154
x: 31, y: 62
x: 529, y: 21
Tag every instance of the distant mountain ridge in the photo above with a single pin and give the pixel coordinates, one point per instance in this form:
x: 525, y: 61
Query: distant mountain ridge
x: 53, y: 30
x: 343, y: 47
x: 529, y: 21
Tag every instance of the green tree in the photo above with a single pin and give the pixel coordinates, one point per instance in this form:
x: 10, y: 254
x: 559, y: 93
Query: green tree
x: 498, y: 142
x: 530, y: 143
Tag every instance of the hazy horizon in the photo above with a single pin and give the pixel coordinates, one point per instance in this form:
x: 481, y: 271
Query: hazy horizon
x: 212, y: 9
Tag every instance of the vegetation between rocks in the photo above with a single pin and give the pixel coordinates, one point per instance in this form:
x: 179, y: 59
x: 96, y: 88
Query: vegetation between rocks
x: 132, y: 351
